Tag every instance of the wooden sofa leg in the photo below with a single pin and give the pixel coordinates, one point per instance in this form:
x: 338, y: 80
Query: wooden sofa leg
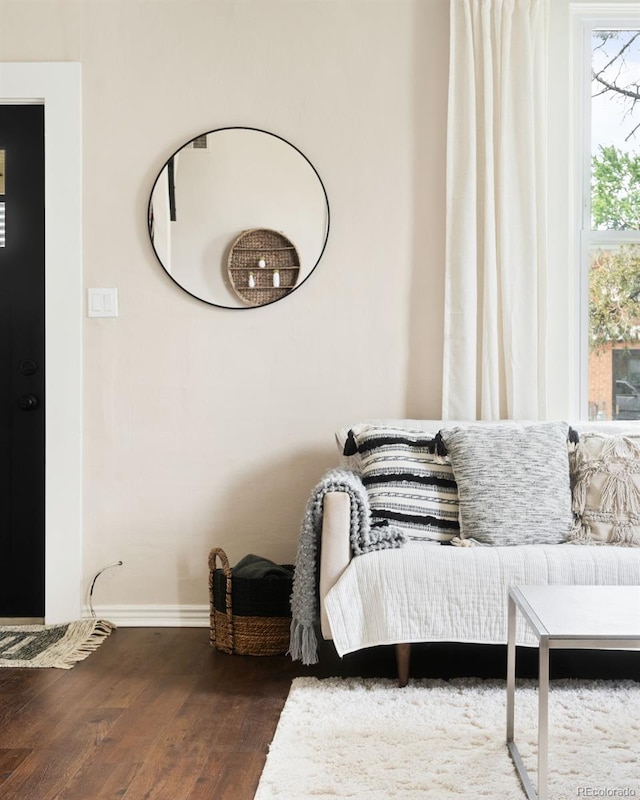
x: 403, y: 657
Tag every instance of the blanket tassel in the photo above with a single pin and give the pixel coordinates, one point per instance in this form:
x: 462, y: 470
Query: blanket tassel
x: 303, y: 643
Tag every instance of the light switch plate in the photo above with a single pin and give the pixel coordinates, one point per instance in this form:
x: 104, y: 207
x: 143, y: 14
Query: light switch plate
x: 102, y: 302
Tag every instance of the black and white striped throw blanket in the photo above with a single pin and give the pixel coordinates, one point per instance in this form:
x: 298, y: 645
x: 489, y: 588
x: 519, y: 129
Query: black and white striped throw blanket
x: 303, y: 645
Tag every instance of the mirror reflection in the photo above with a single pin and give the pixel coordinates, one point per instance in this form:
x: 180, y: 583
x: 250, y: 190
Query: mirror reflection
x: 238, y: 217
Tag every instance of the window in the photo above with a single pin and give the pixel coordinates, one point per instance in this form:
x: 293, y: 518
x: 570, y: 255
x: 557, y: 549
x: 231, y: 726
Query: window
x: 611, y: 216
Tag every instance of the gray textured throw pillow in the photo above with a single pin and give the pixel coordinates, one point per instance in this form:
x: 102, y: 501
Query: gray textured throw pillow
x: 513, y: 482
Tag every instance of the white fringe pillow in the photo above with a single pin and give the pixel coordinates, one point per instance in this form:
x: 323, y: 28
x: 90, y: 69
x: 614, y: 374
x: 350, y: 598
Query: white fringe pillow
x: 605, y: 472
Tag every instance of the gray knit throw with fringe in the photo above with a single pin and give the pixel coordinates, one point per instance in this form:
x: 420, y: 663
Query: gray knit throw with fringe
x: 303, y: 645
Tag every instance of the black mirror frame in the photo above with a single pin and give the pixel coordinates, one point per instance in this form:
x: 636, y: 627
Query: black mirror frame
x: 275, y: 136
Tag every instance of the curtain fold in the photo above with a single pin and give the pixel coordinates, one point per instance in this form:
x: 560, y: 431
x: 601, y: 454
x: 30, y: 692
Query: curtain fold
x: 495, y: 281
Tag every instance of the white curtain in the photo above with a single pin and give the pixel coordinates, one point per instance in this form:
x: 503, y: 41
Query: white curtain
x: 495, y: 285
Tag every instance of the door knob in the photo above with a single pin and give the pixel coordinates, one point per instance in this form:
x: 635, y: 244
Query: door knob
x: 28, y: 402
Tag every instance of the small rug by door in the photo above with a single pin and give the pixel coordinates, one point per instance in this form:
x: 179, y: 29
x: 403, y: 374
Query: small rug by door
x: 366, y: 739
x: 59, y: 646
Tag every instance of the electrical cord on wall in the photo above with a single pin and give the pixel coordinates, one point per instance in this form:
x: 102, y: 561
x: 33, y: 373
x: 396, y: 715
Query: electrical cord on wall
x: 93, y: 583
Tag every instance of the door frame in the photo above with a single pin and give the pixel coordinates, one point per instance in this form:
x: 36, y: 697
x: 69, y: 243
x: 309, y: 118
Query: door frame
x: 58, y: 87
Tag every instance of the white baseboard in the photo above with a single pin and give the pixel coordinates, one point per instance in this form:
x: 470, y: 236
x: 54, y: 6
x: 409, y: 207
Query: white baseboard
x: 157, y: 616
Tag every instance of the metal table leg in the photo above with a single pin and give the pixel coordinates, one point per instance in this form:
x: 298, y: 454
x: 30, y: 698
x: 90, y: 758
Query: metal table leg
x: 527, y: 785
x: 511, y: 667
x: 543, y: 718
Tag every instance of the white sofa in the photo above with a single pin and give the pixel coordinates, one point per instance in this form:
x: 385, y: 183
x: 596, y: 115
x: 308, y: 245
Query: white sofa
x: 423, y: 593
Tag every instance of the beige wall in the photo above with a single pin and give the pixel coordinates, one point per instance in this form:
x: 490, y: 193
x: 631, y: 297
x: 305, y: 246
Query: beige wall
x: 205, y: 426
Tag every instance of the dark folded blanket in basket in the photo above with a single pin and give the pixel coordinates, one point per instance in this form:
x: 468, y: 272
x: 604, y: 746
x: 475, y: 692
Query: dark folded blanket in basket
x: 260, y: 588
x: 258, y: 567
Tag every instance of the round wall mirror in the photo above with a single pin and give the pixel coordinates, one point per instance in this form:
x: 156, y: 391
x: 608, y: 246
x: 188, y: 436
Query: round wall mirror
x: 238, y: 217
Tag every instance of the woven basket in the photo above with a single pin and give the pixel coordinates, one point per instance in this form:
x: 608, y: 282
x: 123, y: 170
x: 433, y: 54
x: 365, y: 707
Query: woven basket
x: 277, y: 252
x: 249, y: 616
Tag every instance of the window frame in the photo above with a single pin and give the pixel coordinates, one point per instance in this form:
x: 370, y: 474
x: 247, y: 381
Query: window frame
x: 587, y: 17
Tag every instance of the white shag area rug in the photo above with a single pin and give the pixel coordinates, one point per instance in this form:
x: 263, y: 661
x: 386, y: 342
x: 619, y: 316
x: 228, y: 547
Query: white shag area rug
x: 367, y: 739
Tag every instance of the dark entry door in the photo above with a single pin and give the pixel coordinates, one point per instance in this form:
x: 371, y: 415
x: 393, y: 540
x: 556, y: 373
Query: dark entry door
x: 22, y: 373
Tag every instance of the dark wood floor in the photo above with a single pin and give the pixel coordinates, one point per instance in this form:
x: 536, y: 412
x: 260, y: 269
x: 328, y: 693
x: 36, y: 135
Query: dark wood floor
x: 155, y: 713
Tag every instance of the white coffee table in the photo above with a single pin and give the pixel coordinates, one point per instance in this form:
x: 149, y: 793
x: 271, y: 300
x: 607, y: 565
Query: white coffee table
x: 590, y: 617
